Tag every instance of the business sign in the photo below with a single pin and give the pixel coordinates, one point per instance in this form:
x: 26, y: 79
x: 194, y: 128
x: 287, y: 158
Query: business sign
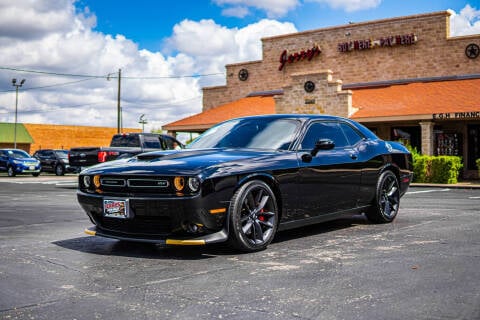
x: 298, y: 56
x: 456, y: 115
x: 389, y: 41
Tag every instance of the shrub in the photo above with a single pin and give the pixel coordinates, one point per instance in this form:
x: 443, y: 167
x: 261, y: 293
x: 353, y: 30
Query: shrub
x: 445, y: 169
x: 421, y: 168
x: 478, y: 166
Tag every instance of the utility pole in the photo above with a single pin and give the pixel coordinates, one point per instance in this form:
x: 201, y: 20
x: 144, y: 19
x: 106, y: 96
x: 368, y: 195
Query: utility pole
x: 119, y: 109
x: 14, y: 83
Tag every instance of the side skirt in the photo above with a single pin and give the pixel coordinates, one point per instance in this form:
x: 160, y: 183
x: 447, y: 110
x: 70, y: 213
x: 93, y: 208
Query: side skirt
x: 320, y: 218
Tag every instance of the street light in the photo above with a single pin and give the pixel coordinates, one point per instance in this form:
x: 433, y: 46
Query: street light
x: 142, y: 121
x: 14, y: 83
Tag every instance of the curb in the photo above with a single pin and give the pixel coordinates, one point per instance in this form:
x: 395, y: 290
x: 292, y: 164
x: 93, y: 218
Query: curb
x: 466, y: 185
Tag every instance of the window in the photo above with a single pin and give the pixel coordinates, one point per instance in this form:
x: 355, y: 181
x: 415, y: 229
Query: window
x: 324, y: 130
x: 352, y: 135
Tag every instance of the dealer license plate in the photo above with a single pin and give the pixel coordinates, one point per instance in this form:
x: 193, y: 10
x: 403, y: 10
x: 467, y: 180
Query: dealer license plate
x: 113, y: 208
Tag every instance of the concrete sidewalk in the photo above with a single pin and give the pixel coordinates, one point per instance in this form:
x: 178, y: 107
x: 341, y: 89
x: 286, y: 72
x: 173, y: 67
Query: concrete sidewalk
x: 473, y: 184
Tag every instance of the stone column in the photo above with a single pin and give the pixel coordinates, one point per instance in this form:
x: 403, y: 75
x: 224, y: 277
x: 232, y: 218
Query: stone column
x: 427, y: 137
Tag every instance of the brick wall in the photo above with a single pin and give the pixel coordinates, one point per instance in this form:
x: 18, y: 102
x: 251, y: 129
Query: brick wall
x: 65, y: 137
x: 434, y: 54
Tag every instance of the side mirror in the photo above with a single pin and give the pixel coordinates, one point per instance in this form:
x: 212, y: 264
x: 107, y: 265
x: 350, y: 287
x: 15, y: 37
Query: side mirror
x: 322, y: 144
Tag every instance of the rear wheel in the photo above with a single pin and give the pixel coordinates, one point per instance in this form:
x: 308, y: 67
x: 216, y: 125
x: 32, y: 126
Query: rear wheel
x: 253, y: 217
x: 387, y: 199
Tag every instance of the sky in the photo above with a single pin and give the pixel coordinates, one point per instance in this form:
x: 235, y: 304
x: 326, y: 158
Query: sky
x: 70, y: 51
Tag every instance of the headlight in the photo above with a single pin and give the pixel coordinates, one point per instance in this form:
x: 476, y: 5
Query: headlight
x: 86, y: 180
x: 194, y: 184
x: 17, y: 161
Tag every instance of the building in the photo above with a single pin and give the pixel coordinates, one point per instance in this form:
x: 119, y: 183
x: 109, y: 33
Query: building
x: 405, y: 78
x: 32, y: 137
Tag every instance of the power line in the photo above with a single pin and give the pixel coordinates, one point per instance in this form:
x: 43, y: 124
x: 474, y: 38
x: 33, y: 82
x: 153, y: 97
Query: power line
x: 49, y: 86
x: 111, y: 76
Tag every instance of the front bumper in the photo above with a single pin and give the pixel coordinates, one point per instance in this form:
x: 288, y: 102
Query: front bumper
x: 26, y: 168
x: 220, y: 236
x: 166, y: 220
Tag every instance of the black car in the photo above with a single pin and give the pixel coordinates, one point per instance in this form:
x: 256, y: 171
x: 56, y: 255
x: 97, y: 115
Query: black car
x: 245, y: 179
x: 54, y: 160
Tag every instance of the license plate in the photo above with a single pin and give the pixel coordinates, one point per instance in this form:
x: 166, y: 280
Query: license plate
x: 113, y: 208
x: 32, y: 167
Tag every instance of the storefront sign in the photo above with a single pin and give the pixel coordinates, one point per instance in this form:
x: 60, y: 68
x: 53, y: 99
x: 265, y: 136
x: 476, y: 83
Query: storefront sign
x: 456, y: 115
x: 297, y: 56
x: 390, y: 41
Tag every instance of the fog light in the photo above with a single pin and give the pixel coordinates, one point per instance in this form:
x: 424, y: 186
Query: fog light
x: 194, y: 184
x: 96, y: 181
x: 179, y: 183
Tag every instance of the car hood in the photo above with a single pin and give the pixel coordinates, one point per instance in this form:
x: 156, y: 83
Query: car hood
x: 26, y: 159
x: 188, y: 162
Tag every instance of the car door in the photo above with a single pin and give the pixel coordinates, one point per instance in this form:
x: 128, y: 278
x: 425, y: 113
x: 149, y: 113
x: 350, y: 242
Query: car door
x: 3, y: 160
x: 329, y: 179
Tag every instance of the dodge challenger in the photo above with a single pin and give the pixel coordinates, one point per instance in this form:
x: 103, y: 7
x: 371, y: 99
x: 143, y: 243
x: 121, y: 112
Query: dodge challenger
x: 245, y: 179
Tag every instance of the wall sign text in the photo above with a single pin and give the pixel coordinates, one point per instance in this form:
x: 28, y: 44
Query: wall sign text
x: 390, y: 41
x: 297, y: 56
x: 456, y: 115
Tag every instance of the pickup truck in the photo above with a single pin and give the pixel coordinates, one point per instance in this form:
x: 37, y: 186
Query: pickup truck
x: 123, y: 145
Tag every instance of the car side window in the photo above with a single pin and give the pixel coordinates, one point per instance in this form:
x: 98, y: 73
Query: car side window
x: 324, y: 130
x: 152, y: 142
x: 352, y: 135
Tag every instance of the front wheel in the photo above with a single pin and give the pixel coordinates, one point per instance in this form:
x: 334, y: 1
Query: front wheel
x: 253, y: 217
x: 387, y: 199
x: 59, y: 170
x: 11, y: 172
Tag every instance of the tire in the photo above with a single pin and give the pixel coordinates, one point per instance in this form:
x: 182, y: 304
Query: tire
x: 387, y: 199
x: 59, y: 170
x: 36, y: 174
x: 11, y: 172
x: 253, y: 217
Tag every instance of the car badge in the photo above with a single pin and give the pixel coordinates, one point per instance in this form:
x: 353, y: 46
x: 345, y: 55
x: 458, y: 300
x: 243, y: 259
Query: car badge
x: 389, y: 147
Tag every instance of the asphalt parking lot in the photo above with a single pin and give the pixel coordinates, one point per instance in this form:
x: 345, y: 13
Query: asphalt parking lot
x: 422, y: 266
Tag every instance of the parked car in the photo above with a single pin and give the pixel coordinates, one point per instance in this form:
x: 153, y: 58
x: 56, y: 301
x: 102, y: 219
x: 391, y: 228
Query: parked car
x: 245, y: 179
x: 17, y: 161
x: 122, y: 145
x: 54, y: 160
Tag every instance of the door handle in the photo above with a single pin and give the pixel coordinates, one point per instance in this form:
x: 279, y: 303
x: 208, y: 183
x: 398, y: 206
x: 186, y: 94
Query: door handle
x: 353, y: 156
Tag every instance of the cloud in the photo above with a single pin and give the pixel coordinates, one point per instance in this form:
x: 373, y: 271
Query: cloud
x: 350, y: 5
x: 237, y: 12
x: 273, y: 8
x: 62, y: 42
x: 465, y: 23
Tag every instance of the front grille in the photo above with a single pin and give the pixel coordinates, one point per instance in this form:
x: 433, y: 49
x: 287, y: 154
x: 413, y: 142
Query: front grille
x: 138, y: 225
x: 150, y: 217
x: 136, y: 184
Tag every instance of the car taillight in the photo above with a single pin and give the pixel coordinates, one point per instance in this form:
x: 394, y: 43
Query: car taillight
x: 102, y: 155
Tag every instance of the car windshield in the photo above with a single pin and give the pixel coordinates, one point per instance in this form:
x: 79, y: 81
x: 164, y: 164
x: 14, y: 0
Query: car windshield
x: 19, y: 154
x: 256, y: 133
x: 63, y: 154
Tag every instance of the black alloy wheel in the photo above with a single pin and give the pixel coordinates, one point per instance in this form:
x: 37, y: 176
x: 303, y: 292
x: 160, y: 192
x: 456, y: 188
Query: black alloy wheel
x: 59, y: 170
x: 253, y: 217
x: 387, y: 199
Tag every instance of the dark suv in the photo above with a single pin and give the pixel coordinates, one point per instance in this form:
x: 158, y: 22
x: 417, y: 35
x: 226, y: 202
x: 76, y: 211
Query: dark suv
x: 53, y: 160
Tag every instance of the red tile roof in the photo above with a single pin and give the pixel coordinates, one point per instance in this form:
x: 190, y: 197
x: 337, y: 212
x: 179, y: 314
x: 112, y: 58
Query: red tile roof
x: 412, y: 99
x: 420, y: 98
x: 243, y: 107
